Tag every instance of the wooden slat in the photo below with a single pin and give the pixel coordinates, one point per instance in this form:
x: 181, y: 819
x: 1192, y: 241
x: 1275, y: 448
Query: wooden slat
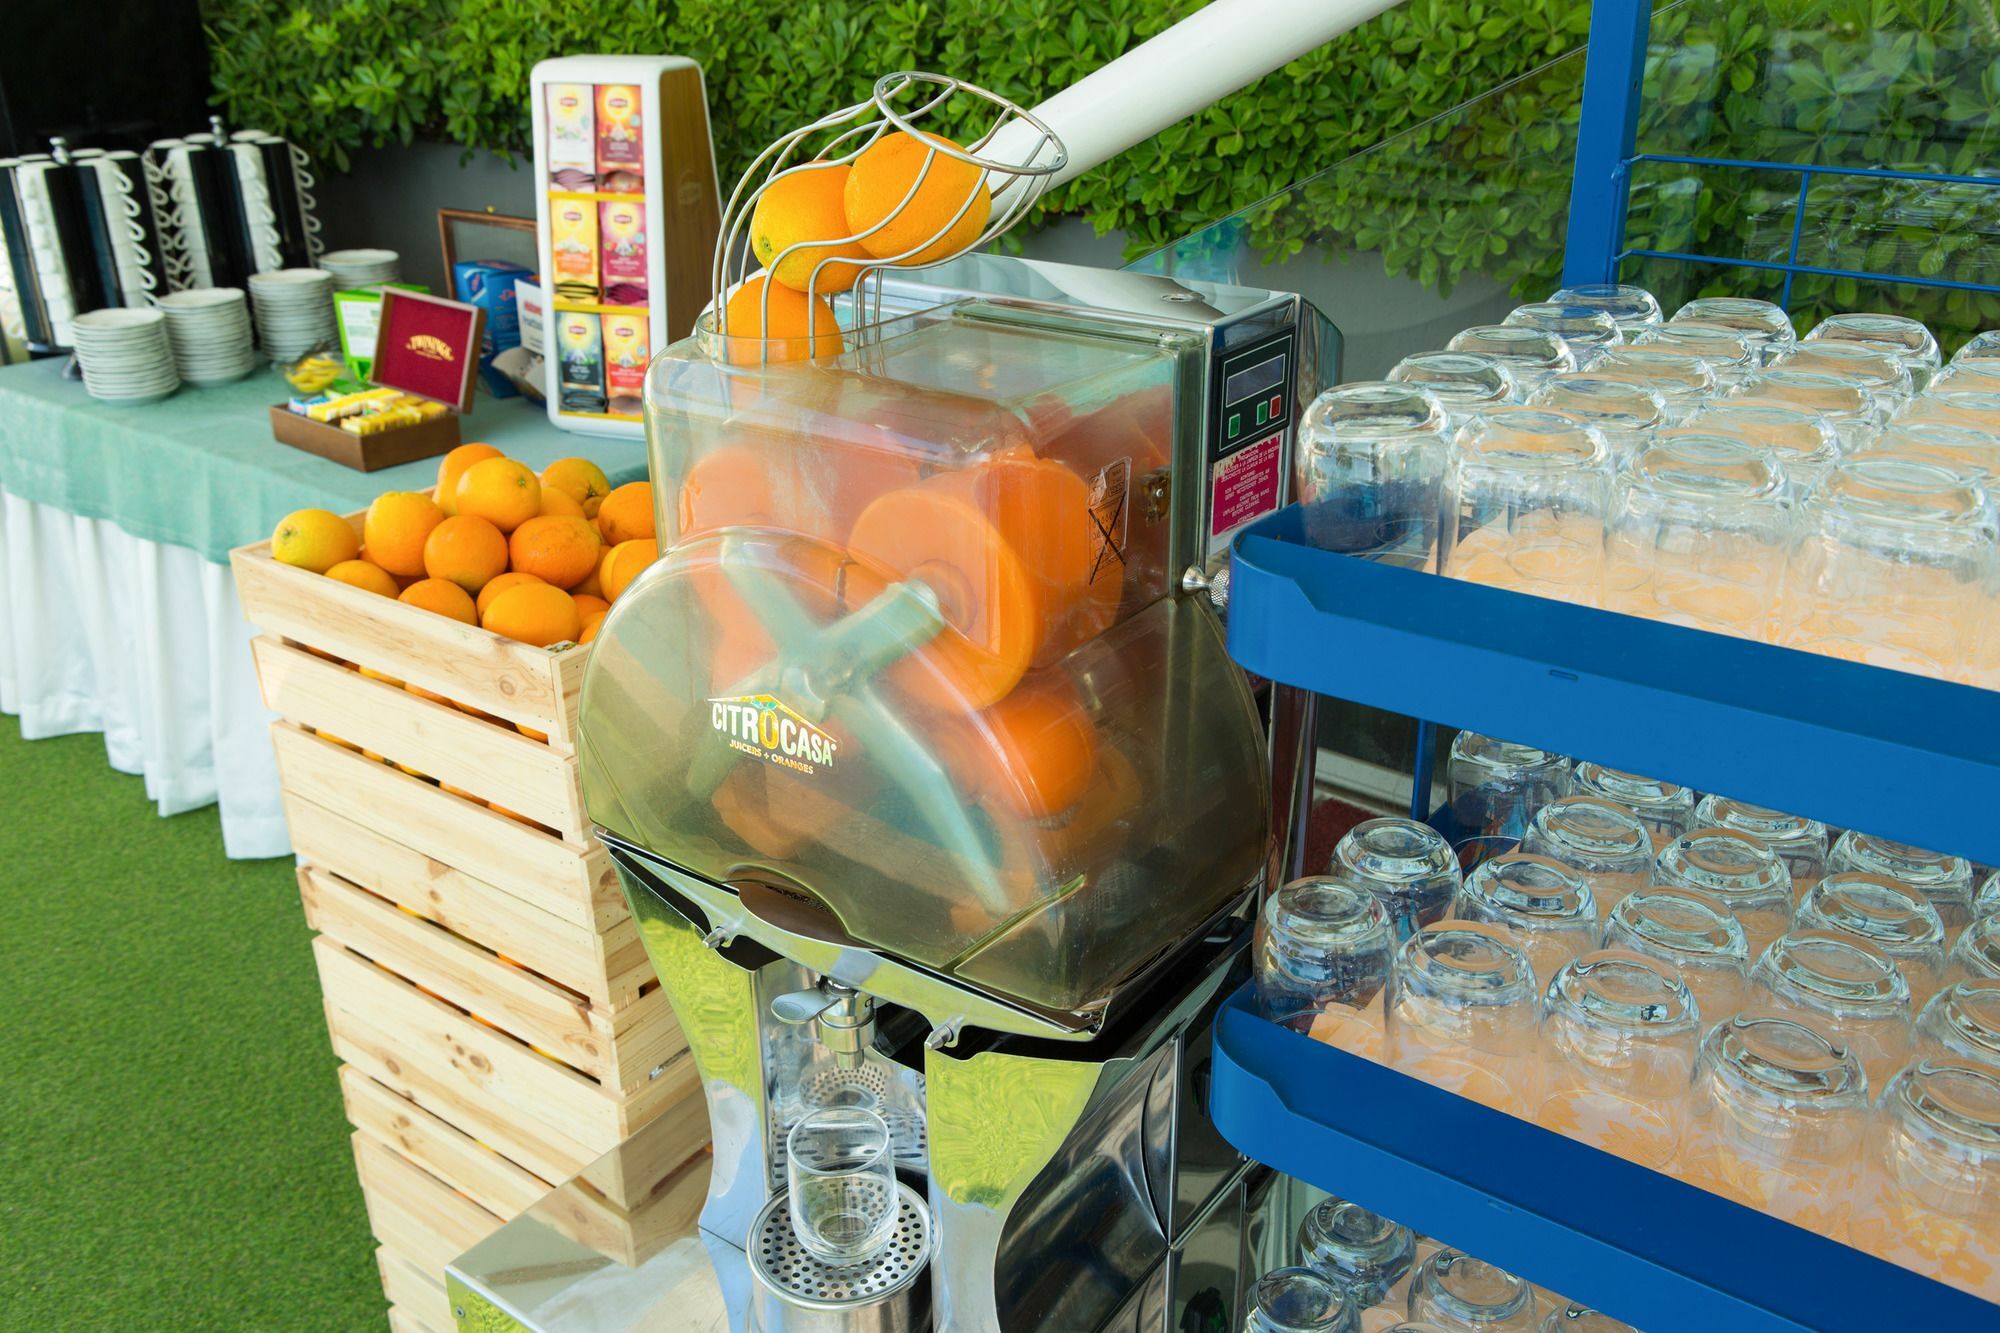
x: 493, y: 762
x: 404, y: 1321
x: 576, y: 883
x: 630, y: 1235
x: 513, y: 680
x: 491, y: 1063
x: 413, y: 1212
x: 413, y: 1294
x: 610, y: 967
x: 496, y: 1184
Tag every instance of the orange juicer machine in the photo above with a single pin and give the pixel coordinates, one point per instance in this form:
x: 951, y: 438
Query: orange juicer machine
x: 927, y: 775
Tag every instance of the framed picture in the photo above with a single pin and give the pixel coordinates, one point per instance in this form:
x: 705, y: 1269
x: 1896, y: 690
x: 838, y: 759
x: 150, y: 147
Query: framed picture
x: 467, y: 234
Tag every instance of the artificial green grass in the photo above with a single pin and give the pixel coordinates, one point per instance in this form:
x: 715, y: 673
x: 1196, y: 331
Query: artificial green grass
x: 172, y: 1149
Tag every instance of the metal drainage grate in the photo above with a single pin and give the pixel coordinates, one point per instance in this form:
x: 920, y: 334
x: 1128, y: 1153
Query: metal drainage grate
x: 782, y: 1265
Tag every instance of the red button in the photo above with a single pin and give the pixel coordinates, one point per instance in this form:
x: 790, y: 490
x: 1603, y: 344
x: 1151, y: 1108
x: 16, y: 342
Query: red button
x: 1277, y: 403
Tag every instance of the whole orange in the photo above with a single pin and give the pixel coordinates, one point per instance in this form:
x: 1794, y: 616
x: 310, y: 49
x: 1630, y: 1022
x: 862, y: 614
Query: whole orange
x: 590, y: 628
x: 557, y: 503
x: 501, y: 491
x: 558, y: 550
x: 580, y: 479
x: 534, y: 613
x: 883, y: 175
x: 513, y: 578
x: 588, y: 604
x: 314, y: 539
x: 623, y: 564
x: 467, y: 550
x: 442, y: 597
x: 395, y: 529
x: 627, y: 513
x: 364, y: 575
x: 800, y: 326
x: 452, y: 466
x: 806, y: 204
x: 590, y: 587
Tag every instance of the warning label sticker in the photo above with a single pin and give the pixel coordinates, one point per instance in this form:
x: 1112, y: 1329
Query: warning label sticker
x: 1110, y: 490
x: 1246, y: 484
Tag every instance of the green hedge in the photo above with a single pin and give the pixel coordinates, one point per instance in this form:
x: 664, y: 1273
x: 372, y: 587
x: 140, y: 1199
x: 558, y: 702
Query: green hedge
x: 1877, y: 81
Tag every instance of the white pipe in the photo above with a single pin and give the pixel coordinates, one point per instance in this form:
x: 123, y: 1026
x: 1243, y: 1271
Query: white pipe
x: 1206, y: 56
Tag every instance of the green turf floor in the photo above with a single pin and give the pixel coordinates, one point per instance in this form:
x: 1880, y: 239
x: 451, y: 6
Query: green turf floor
x: 172, y: 1150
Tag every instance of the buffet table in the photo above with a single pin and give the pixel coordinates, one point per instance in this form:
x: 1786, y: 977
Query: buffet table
x: 117, y: 610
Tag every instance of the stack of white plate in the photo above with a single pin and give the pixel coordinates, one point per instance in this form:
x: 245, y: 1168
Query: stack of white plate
x: 294, y: 309
x: 209, y: 328
x: 362, y: 268
x: 125, y: 355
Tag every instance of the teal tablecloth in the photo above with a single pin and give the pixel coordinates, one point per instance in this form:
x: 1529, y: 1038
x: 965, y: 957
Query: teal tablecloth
x: 200, y: 469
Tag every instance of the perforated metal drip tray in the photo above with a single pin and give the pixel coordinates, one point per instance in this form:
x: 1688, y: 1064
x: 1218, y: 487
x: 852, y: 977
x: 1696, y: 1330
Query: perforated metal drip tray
x: 886, y: 1293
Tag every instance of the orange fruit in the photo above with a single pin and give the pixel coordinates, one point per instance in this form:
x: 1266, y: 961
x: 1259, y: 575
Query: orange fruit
x: 591, y: 585
x: 370, y: 754
x: 467, y: 550
x: 588, y: 605
x: 800, y: 326
x: 452, y: 466
x: 442, y: 597
x: 806, y: 204
x: 590, y: 628
x: 479, y: 713
x: 627, y: 513
x: 382, y: 676
x: 623, y: 564
x: 326, y: 735
x: 534, y: 613
x: 558, y: 550
x: 579, y: 479
x: 365, y: 575
x: 1043, y: 749
x: 883, y: 175
x: 501, y: 491
x: 531, y: 733
x: 395, y: 528
x: 513, y: 578
x: 556, y: 504
x: 423, y: 693
x: 458, y: 791
x: 315, y: 539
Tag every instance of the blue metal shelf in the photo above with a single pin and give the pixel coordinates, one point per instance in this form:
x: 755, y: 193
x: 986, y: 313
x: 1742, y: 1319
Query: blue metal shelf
x: 1656, y: 1252
x: 1898, y: 755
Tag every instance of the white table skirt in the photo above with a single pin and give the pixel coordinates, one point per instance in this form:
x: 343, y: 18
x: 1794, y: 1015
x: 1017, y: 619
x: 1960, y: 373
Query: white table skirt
x: 101, y: 631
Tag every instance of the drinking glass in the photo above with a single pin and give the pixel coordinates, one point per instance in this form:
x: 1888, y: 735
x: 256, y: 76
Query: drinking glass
x: 1456, y: 1293
x: 1462, y: 1015
x: 1953, y: 407
x: 1625, y: 413
x: 1523, y: 504
x: 1848, y: 407
x: 1956, y: 448
x: 1799, y: 842
x: 1364, y: 1252
x: 1724, y: 351
x: 1298, y: 1300
x: 1910, y: 341
x: 1698, y: 535
x: 1495, y: 786
x: 1588, y: 330
x: 1892, y: 567
x: 1841, y: 987
x: 1739, y: 872
x: 1574, y: 1318
x: 1887, y: 913
x: 1961, y: 1022
x: 1986, y: 902
x: 1784, y: 1110
x: 1321, y: 943
x: 1371, y: 458
x: 1665, y: 808
x: 840, y: 1167
x: 1762, y: 324
x: 1683, y: 382
x: 1881, y: 372
x: 1533, y: 355
x: 1980, y: 349
x: 1691, y: 932
x: 1408, y: 866
x: 1600, y: 840
x: 1620, y: 1032
x: 1541, y: 906
x: 1930, y: 1200
x: 1976, y: 956
x: 1633, y: 309
x: 1803, y: 442
x: 1945, y: 880
x: 1467, y: 383
x: 1972, y: 377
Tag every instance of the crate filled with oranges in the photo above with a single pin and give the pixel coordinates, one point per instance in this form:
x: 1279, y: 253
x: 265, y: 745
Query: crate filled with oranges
x: 485, y: 986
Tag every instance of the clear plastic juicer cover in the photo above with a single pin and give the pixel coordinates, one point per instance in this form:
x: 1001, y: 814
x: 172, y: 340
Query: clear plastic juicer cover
x: 909, y: 658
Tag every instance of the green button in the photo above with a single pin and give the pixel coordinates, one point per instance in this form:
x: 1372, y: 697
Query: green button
x: 1235, y: 425
x: 1263, y: 413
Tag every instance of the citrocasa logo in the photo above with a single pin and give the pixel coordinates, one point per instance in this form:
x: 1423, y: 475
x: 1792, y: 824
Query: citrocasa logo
x: 765, y: 727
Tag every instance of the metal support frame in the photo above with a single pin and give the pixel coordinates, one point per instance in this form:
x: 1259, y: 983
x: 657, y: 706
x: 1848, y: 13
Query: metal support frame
x: 1614, y: 72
